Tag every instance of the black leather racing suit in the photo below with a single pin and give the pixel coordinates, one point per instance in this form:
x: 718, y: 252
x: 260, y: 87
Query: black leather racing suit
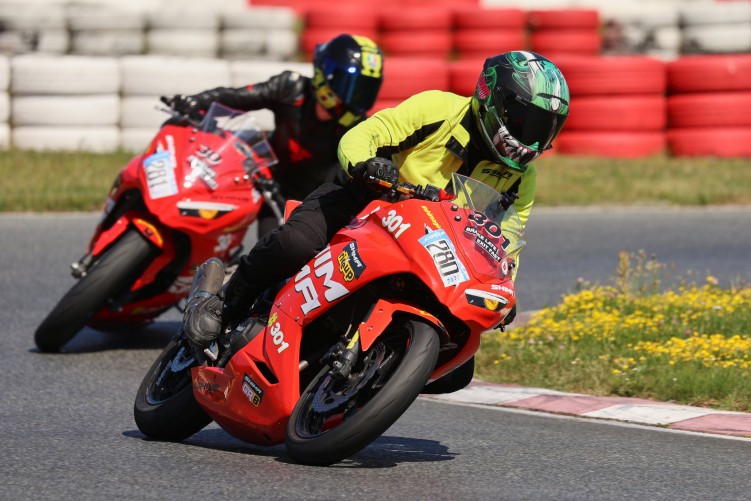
x: 306, y: 146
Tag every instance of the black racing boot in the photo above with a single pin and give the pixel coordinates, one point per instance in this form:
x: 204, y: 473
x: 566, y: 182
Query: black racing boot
x: 202, y: 320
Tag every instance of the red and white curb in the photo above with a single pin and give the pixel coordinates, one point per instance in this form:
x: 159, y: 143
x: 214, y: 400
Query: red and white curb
x: 630, y: 410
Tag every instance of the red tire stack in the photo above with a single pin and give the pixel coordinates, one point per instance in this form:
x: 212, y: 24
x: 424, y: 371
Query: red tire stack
x: 463, y: 75
x: 617, y: 106
x: 481, y: 32
x: 405, y: 76
x: 321, y: 25
x: 564, y: 31
x: 416, y: 31
x: 709, y: 106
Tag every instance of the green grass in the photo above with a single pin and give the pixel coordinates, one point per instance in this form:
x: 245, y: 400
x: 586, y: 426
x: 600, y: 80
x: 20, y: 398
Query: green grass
x: 686, y: 343
x: 37, y: 181
x: 660, y: 180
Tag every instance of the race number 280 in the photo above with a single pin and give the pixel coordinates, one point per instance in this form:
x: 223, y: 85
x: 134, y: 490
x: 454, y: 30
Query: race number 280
x: 444, y: 258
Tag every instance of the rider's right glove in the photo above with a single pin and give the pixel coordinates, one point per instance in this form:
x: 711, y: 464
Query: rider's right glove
x: 374, y: 170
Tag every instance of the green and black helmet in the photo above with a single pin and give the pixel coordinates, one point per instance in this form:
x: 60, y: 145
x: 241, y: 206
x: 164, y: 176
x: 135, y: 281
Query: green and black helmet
x: 520, y: 104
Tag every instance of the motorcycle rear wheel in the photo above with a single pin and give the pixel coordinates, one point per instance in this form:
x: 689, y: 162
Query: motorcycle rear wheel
x: 165, y: 408
x: 115, y: 270
x: 335, y: 418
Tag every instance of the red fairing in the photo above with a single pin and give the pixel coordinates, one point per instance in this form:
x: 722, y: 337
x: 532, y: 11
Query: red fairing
x: 457, y: 253
x: 191, y: 195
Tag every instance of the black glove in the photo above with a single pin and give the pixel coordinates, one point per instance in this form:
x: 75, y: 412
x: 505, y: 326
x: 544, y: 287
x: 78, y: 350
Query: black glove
x: 187, y: 105
x: 374, y: 170
x: 507, y: 199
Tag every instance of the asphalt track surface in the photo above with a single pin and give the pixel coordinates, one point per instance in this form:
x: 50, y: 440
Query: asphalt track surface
x: 68, y: 432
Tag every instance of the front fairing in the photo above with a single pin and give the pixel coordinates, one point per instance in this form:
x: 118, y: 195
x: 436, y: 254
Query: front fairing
x: 200, y: 178
x: 487, y: 232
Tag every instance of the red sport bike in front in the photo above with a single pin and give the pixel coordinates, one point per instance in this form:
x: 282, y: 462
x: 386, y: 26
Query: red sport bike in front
x: 328, y: 360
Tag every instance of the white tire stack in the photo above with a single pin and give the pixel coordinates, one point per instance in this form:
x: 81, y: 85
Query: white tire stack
x: 105, y: 31
x: 65, y: 103
x: 146, y: 78
x: 33, y: 28
x: 716, y: 27
x: 259, y: 32
x: 244, y: 73
x: 648, y: 28
x: 189, y: 32
x: 4, y: 102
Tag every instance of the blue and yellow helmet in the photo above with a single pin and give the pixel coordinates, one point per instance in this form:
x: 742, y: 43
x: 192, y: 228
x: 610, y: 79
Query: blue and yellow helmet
x: 348, y: 72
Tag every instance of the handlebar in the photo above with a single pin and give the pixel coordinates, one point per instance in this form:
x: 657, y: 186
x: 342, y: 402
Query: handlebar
x: 407, y: 190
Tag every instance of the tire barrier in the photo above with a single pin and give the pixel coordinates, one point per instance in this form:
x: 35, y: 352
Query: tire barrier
x: 698, y: 103
x: 416, y: 31
x: 617, y: 106
x: 405, y: 76
x: 5, y: 141
x: 565, y: 31
x: 463, y: 75
x: 65, y: 102
x: 226, y: 29
x: 146, y: 78
x: 476, y: 29
x: 709, y: 105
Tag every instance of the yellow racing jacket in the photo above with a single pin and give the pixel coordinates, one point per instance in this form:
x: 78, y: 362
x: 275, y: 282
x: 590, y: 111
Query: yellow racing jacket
x: 426, y: 137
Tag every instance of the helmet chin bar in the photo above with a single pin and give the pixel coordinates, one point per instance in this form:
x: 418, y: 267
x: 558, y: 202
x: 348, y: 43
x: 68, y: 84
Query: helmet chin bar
x: 513, y: 149
x: 334, y: 106
x: 490, y: 142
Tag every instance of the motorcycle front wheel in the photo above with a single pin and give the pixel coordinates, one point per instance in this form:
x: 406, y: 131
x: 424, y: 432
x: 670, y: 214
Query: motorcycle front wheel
x: 115, y: 270
x: 165, y: 408
x: 336, y: 417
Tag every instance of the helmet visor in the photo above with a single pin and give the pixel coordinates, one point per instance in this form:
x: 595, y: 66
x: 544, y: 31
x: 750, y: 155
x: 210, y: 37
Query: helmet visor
x: 357, y: 92
x: 530, y: 125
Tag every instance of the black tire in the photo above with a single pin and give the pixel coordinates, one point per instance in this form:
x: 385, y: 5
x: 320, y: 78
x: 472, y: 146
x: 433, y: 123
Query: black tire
x: 334, y: 419
x: 165, y: 407
x: 115, y: 270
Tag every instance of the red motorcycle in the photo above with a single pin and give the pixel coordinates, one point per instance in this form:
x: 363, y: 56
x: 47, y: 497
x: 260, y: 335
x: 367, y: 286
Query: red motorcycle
x: 190, y: 196
x: 329, y: 360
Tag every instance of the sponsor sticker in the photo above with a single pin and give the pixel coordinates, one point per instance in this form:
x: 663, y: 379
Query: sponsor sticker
x: 252, y: 390
x: 443, y: 252
x: 351, y: 264
x: 160, y: 175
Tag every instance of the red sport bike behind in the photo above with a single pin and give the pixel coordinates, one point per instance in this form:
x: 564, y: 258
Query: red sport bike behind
x: 330, y: 359
x: 190, y: 196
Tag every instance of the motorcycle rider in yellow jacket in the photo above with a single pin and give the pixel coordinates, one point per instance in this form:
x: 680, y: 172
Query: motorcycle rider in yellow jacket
x: 435, y: 126
x: 519, y: 106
